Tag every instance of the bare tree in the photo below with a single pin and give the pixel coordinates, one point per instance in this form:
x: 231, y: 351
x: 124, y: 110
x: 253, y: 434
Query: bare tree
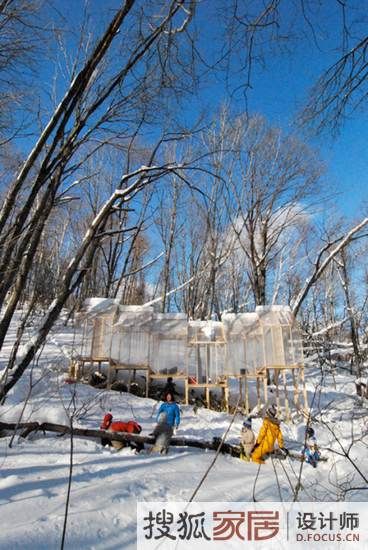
x: 326, y: 254
x: 271, y: 183
x: 81, y: 262
x: 342, y: 89
x: 101, y: 95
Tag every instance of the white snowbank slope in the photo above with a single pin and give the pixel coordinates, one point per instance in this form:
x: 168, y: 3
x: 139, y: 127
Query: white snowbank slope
x: 107, y: 484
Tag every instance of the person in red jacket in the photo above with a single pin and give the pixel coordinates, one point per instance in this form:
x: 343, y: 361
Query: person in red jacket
x: 119, y: 426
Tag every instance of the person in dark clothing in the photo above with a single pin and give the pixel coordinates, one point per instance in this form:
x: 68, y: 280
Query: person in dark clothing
x: 170, y: 387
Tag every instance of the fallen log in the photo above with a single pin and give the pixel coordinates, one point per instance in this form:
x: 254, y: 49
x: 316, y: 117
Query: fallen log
x: 226, y: 448
x: 29, y: 427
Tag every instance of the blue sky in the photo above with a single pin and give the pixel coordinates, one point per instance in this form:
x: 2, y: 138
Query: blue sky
x: 278, y: 89
x: 281, y: 86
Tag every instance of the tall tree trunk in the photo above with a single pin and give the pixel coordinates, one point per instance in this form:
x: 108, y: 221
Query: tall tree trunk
x: 354, y: 333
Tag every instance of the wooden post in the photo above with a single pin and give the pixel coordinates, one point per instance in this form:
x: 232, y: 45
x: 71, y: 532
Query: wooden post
x: 208, y: 359
x: 108, y: 384
x: 295, y: 379
x: 287, y: 408
x: 295, y: 386
x: 304, y: 389
x: 277, y: 390
x: 208, y: 397
x: 258, y: 393
x: 226, y: 394
x: 198, y: 354
x: 148, y: 380
x: 129, y: 379
x: 246, y: 392
x: 265, y: 392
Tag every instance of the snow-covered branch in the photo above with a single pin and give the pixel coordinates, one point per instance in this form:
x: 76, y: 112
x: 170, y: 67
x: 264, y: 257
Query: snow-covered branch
x: 320, y: 267
x: 332, y: 326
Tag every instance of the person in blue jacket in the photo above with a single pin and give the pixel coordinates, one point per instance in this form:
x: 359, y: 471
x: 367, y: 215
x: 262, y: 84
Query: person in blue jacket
x: 168, y: 418
x: 172, y: 411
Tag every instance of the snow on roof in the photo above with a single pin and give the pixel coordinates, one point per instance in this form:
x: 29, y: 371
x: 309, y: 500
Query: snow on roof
x: 170, y: 325
x: 92, y: 307
x: 206, y: 331
x: 240, y: 323
x: 135, y: 318
x: 134, y: 309
x: 275, y: 315
x: 169, y: 316
x: 145, y: 318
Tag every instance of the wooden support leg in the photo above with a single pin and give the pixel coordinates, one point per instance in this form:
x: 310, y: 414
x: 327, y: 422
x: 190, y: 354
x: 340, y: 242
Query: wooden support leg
x: 108, y: 382
x: 306, y: 406
x: 208, y: 398
x: 226, y: 396
x: 246, y: 395
x: 71, y: 370
x: 277, y: 392
x: 259, y: 405
x: 295, y: 388
x: 287, y: 407
x: 148, y: 381
x: 265, y: 390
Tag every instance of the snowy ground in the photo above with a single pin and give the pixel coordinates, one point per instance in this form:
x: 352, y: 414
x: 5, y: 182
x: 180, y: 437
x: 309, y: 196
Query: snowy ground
x: 107, y: 484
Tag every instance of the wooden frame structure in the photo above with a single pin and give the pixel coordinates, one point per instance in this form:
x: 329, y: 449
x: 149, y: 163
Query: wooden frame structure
x: 251, y: 348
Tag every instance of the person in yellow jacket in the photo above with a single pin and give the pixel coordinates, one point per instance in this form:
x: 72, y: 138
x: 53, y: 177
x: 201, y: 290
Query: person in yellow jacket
x: 270, y: 432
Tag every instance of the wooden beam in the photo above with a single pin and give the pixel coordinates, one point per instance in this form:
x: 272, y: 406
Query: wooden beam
x: 222, y: 385
x: 164, y: 376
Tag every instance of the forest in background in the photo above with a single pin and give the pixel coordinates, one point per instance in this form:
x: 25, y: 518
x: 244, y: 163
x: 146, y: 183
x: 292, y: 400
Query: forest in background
x: 112, y: 186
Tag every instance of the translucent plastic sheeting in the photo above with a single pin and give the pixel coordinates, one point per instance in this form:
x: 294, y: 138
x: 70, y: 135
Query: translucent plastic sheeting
x: 206, y: 361
x: 98, y: 306
x: 136, y: 335
x: 170, y: 325
x: 168, y: 352
x: 218, y: 360
x: 268, y: 346
x: 85, y: 348
x: 278, y: 346
x: 235, y: 362
x: 130, y: 347
x: 274, y: 315
x: 297, y: 346
x: 207, y: 351
x: 290, y: 354
x: 254, y: 352
x: 194, y: 362
x: 168, y: 355
x: 134, y: 318
x: 239, y: 324
x: 206, y: 331
x: 101, y: 340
